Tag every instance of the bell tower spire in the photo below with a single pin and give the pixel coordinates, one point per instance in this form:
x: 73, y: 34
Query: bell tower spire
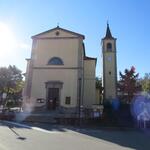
x: 108, y: 32
x: 109, y: 65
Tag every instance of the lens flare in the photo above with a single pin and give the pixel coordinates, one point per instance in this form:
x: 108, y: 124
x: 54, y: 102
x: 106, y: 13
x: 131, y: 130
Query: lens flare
x: 115, y: 104
x: 140, y: 109
x: 28, y: 106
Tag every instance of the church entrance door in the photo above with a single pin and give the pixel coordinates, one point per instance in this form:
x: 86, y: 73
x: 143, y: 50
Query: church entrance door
x: 53, y: 98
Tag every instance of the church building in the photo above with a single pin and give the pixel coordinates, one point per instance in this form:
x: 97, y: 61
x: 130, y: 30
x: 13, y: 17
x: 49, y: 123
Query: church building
x: 59, y: 75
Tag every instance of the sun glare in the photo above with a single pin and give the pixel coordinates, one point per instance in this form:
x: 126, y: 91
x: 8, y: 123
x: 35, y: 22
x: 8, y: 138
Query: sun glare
x: 7, y: 39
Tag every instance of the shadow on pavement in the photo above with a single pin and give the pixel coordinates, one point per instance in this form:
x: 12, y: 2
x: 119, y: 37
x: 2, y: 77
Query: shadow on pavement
x: 17, y: 134
x: 127, y: 138
x: 12, y: 128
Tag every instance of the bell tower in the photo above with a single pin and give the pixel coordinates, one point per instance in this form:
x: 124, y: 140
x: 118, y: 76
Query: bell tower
x: 109, y: 65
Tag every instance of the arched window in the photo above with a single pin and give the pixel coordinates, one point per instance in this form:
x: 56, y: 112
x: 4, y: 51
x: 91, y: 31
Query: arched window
x: 109, y: 47
x: 55, y: 61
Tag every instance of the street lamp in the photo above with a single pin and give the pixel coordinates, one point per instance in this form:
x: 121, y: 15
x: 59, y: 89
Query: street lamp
x: 4, y: 95
x: 79, y: 101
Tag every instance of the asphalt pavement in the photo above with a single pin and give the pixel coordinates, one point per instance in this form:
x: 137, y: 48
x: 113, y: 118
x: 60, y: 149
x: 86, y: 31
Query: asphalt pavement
x: 14, y: 136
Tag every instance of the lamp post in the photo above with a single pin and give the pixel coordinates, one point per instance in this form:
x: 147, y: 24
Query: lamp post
x: 4, y: 95
x: 79, y: 107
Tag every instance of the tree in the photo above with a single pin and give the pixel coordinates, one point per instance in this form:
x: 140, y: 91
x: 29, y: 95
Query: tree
x: 11, y: 81
x: 99, y: 87
x: 145, y: 82
x: 128, y: 84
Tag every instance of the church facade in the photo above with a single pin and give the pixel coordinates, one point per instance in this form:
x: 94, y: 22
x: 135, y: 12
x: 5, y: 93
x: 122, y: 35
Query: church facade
x: 59, y: 75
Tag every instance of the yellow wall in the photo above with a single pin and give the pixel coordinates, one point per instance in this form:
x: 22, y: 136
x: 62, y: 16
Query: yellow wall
x: 68, y: 77
x: 71, y: 52
x: 89, y: 83
x: 66, y: 49
x: 109, y: 65
x: 110, y: 80
x: 69, y: 48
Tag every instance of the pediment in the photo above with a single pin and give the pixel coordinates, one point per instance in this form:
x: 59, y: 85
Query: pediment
x: 58, y: 33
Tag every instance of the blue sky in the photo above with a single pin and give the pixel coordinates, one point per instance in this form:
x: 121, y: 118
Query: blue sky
x: 129, y: 23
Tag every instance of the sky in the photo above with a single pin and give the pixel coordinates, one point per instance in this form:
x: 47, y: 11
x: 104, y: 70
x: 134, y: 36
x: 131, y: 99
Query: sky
x: 128, y: 20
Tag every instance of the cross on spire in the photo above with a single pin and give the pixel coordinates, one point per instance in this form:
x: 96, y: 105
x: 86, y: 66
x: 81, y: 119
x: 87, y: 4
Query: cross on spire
x: 57, y: 24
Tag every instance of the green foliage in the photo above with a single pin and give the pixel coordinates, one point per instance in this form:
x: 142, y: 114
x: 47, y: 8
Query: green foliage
x: 98, y: 83
x: 100, y: 88
x: 11, y: 81
x: 145, y: 82
x: 9, y: 104
x: 128, y: 84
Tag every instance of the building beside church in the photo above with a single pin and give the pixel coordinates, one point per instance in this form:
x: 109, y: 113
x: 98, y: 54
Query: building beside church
x: 59, y: 75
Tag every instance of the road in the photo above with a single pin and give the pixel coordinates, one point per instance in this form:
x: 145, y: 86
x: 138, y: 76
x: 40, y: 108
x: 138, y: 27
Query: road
x: 49, y: 137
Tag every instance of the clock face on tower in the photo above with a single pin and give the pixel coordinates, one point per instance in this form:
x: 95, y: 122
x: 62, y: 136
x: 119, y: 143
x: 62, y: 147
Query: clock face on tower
x: 109, y: 58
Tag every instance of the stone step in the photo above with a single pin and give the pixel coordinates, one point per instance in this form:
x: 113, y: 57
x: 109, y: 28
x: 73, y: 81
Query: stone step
x: 49, y: 118
x: 41, y: 118
x: 52, y: 117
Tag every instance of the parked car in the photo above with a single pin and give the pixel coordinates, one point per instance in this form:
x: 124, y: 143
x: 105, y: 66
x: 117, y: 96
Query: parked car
x: 7, y: 115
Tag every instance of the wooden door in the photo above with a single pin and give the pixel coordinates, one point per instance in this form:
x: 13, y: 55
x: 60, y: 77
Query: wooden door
x: 53, y: 98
